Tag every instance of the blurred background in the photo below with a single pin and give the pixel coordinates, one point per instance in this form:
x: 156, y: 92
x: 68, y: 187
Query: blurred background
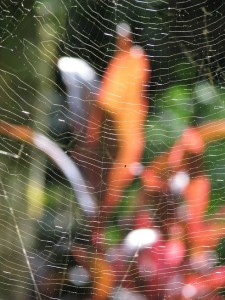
x: 55, y: 242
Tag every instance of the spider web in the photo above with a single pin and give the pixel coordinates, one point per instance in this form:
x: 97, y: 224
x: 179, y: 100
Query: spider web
x: 112, y: 149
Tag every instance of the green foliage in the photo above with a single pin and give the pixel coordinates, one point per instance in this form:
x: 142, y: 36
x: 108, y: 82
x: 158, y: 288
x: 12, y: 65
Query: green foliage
x: 209, y: 102
x: 214, y: 160
x: 113, y: 235
x: 159, y: 136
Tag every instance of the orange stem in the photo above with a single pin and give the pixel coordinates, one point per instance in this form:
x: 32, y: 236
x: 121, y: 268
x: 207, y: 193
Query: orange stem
x: 18, y: 132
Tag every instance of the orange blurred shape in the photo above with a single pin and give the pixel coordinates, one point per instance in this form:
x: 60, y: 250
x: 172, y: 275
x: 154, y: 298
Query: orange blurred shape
x: 176, y: 155
x: 122, y: 96
x: 196, y: 196
x: 100, y: 269
x: 18, y: 132
x: 151, y: 180
x: 103, y: 277
x: 192, y: 141
x: 208, y: 236
x: 122, y: 86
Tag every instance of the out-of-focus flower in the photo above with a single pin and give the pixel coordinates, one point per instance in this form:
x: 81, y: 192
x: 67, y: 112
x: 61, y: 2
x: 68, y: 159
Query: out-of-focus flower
x: 121, y: 94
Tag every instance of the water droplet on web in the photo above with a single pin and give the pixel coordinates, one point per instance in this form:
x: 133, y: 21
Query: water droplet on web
x: 108, y: 34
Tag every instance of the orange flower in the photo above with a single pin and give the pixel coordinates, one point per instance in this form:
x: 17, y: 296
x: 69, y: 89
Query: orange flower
x: 122, y: 96
x: 196, y: 196
x: 190, y: 142
x: 152, y: 181
x: 100, y: 270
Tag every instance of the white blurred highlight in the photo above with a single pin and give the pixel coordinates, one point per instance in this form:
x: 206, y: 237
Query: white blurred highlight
x: 136, y: 168
x: 139, y: 239
x: 79, y: 276
x: 125, y: 294
x: 123, y: 29
x: 178, y: 182
x: 189, y: 291
x: 69, y: 169
x: 76, y: 65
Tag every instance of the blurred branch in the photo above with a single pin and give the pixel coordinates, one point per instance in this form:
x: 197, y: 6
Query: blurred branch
x: 68, y: 167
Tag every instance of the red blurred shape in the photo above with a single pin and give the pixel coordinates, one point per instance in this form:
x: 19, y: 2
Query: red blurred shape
x: 142, y: 220
x: 175, y: 252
